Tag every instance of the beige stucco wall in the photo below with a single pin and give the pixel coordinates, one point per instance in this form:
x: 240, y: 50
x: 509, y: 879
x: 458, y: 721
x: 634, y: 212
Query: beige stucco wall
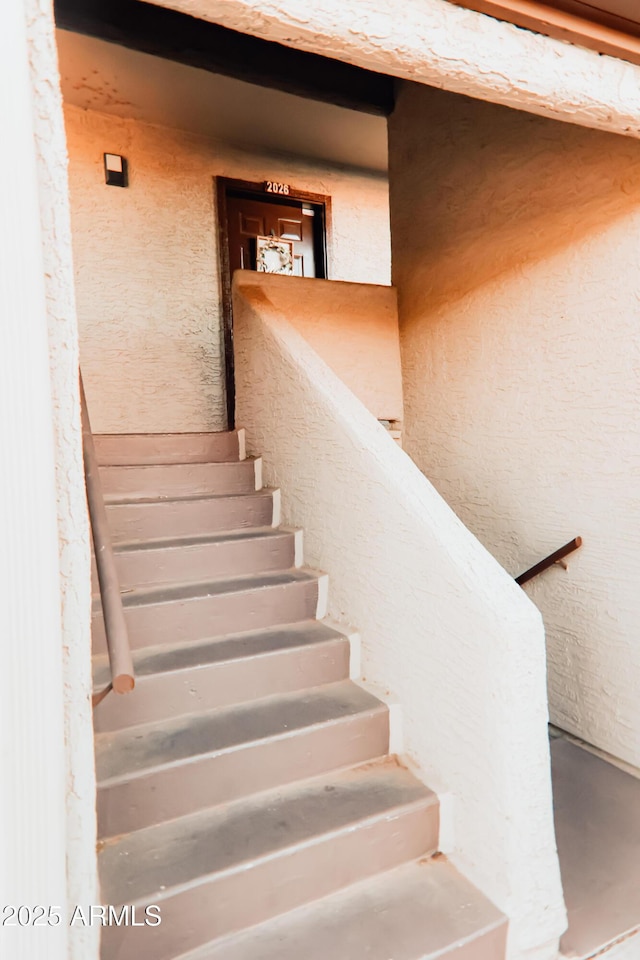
x: 353, y: 327
x: 47, y: 788
x: 445, y: 633
x: 72, y: 520
x: 515, y: 244
x: 146, y: 258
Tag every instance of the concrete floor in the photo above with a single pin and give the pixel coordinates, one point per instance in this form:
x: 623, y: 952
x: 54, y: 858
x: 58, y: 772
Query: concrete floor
x: 597, y: 816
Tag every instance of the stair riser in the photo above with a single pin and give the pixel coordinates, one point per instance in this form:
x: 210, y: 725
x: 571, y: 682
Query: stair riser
x: 224, y: 684
x: 186, y: 518
x: 198, y: 618
x: 240, y: 898
x: 201, y: 562
x: 183, y: 789
x: 181, y: 480
x: 138, y: 449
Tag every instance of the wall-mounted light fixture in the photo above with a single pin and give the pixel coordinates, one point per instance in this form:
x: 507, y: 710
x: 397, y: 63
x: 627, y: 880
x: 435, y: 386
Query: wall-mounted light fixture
x: 115, y: 170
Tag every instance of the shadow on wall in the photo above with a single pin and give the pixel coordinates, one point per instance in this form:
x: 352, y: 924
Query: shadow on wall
x: 531, y: 187
x: 516, y: 259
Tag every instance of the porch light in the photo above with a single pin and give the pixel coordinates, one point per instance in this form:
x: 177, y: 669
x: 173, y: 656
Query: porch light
x: 115, y: 170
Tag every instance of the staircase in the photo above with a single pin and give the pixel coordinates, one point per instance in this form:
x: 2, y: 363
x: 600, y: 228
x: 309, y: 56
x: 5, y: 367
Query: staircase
x: 245, y: 786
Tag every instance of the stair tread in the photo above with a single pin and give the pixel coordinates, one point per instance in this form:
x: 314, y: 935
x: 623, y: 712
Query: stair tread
x: 227, y: 446
x: 113, y: 500
x: 167, y: 480
x: 139, y: 749
x: 182, y: 852
x: 413, y: 912
x: 188, y: 434
x: 195, y: 540
x: 182, y: 656
x: 170, y: 592
x: 215, y: 466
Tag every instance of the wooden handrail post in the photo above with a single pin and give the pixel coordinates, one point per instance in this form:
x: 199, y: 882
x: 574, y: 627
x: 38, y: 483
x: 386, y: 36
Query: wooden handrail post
x: 120, y: 659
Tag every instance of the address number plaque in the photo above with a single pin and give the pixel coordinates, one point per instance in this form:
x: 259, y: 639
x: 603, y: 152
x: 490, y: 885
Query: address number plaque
x: 272, y: 186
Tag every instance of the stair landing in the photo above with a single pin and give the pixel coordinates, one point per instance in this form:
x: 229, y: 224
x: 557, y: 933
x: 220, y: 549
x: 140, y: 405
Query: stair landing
x: 597, y: 816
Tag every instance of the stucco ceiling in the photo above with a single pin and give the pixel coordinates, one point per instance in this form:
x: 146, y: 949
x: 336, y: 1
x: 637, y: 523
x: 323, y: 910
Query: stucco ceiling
x: 102, y: 76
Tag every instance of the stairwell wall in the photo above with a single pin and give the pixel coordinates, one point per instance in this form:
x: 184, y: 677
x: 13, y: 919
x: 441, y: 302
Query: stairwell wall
x: 47, y: 790
x: 444, y: 629
x: 515, y: 246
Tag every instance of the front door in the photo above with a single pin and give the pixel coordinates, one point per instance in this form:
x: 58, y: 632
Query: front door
x: 248, y: 218
x: 247, y: 211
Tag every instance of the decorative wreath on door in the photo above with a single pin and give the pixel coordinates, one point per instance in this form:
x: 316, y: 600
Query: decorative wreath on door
x: 274, y: 255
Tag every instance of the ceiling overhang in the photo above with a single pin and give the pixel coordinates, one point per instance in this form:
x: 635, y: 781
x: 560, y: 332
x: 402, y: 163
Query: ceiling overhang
x: 609, y: 26
x: 198, y: 43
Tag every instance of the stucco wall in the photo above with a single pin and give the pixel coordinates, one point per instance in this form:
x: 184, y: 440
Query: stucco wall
x: 47, y: 815
x: 354, y: 328
x: 515, y: 244
x: 445, y: 632
x: 72, y: 520
x: 146, y: 261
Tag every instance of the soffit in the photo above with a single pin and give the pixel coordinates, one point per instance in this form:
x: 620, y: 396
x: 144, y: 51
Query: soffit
x: 608, y: 26
x: 113, y: 79
x: 173, y: 35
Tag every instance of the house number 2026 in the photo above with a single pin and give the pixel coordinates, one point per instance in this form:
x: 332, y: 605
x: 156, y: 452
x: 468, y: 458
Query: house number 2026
x: 272, y: 186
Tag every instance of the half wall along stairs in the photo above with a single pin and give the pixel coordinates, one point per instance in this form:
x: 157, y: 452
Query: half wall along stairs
x: 245, y: 785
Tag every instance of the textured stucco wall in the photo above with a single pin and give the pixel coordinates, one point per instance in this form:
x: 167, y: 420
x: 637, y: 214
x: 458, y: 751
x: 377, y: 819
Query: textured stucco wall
x: 515, y: 244
x: 146, y: 259
x: 73, y: 527
x: 47, y: 815
x: 445, y: 632
x: 353, y: 327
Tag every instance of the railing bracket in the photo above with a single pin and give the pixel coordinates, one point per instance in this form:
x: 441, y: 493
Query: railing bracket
x: 99, y: 697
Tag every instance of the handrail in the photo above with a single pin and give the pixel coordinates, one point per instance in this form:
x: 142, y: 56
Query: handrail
x: 120, y: 660
x: 549, y: 561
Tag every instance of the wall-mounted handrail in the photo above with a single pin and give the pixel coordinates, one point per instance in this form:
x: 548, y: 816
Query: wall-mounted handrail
x: 549, y: 561
x: 120, y: 660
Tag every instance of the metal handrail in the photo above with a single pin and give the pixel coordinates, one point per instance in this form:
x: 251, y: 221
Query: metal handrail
x: 120, y: 660
x: 555, y: 557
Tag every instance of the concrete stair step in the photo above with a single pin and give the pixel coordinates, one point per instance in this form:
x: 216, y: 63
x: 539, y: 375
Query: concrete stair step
x: 149, y: 774
x: 244, y: 786
x: 190, y: 611
x: 151, y: 519
x: 420, y: 911
x: 156, y: 481
x: 183, y: 559
x: 233, y: 866
x: 145, y: 448
x: 175, y: 679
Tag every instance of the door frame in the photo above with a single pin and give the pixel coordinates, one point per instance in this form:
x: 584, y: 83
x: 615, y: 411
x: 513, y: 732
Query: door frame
x: 256, y: 191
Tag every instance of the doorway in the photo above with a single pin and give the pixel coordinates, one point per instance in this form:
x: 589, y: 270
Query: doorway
x: 248, y: 210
